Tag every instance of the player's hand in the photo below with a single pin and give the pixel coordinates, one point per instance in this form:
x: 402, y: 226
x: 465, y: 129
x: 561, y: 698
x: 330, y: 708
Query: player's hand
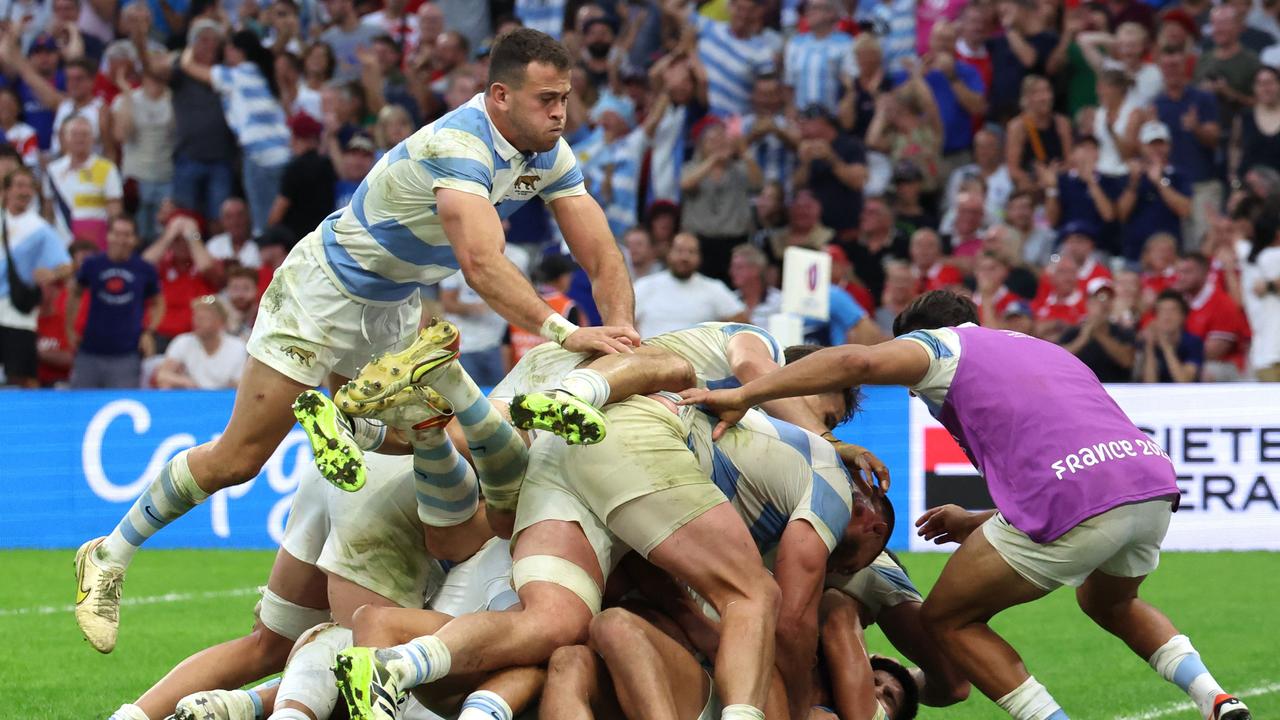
x: 873, y: 475
x: 728, y: 405
x: 944, y: 524
x: 605, y: 340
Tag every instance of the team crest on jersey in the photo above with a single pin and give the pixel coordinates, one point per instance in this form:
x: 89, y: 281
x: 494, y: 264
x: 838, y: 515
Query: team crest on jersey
x: 526, y: 184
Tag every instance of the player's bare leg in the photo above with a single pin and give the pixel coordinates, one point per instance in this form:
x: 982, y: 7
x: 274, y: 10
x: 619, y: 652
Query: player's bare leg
x: 655, y: 677
x: 941, y: 683
x: 578, y: 686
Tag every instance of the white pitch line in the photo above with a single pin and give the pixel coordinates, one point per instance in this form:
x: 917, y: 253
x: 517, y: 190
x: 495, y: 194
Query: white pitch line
x: 130, y: 601
x: 1172, y: 708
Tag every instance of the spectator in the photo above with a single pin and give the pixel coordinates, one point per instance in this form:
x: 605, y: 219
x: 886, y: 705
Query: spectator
x: 143, y: 125
x: 1114, y: 124
x: 186, y: 272
x: 1127, y: 56
x: 899, y: 291
x: 235, y: 242
x: 1158, y: 196
x: 1227, y: 69
x: 38, y: 257
x: 1128, y: 307
x: 241, y: 298
x: 1026, y: 241
x: 817, y: 61
x: 862, y: 91
x: 38, y: 105
x: 612, y: 171
x: 681, y: 297
x: 353, y: 165
x: 1262, y: 302
x: 1023, y: 50
x: 906, y: 127
x: 681, y: 79
x: 1018, y: 318
x: 878, y: 241
x: 966, y: 238
x: 1213, y: 317
x: 84, y: 189
x: 308, y: 184
x: 394, y: 20
x: 1107, y: 348
x: 1064, y: 305
x: 641, y: 253
x: 971, y: 47
x: 598, y: 37
x: 53, y: 349
x: 717, y: 186
x: 843, y: 277
x: 1192, y: 132
x: 733, y: 53
x: 1081, y: 194
x: 895, y: 20
x: 747, y: 271
x: 449, y: 54
x: 1170, y: 353
x: 1256, y: 135
x: 804, y: 228
x: 19, y: 135
x: 769, y: 212
x: 273, y: 247
x: 988, y: 165
x: 770, y: 137
x: 833, y: 166
x: 394, y: 126
x: 908, y: 198
x: 1037, y: 137
x: 991, y: 295
x: 663, y: 222
x: 1159, y: 265
x: 284, y: 29
x: 847, y: 322
x: 121, y: 288
x: 927, y: 264
x: 1078, y: 241
x: 958, y: 94
x: 295, y: 96
x: 205, y: 145
x: 207, y: 358
x: 544, y: 15
x: 318, y: 68
x: 345, y: 37
x: 552, y: 277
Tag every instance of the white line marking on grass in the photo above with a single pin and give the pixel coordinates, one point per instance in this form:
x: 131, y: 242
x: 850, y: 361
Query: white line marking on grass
x: 1172, y: 708
x: 129, y: 601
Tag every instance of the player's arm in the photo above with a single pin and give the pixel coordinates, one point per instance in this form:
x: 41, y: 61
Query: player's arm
x: 853, y: 687
x: 586, y: 231
x: 475, y: 232
x: 750, y: 358
x: 799, y: 571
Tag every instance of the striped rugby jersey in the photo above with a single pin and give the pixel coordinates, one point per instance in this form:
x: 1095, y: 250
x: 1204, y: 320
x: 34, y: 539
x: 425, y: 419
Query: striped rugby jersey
x: 388, y: 242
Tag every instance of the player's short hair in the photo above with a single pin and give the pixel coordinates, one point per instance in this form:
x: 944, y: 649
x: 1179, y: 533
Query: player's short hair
x: 884, y: 509
x: 514, y: 51
x: 910, y: 693
x: 1174, y: 296
x: 935, y: 309
x: 851, y: 395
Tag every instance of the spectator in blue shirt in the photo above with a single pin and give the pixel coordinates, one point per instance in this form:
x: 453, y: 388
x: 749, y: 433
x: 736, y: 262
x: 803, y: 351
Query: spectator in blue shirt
x: 1082, y: 194
x: 1170, y: 353
x: 1191, y: 116
x: 957, y: 90
x: 1158, y: 196
x: 847, y: 322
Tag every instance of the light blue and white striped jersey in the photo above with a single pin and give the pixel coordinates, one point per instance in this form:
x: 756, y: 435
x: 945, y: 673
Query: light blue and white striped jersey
x: 776, y: 160
x: 667, y: 158
x: 813, y: 68
x: 706, y: 347
x: 544, y: 15
x: 773, y: 473
x: 732, y: 63
x: 389, y: 241
x: 252, y: 113
x: 625, y: 155
x: 899, y: 16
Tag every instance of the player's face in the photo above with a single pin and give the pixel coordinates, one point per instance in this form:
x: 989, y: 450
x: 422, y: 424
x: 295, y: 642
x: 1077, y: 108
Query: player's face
x: 828, y: 406
x: 888, y: 691
x: 536, y: 110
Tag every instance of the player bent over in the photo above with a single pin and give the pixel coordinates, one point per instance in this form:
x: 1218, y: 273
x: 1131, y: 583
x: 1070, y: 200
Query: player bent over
x: 432, y: 205
x: 1084, y: 497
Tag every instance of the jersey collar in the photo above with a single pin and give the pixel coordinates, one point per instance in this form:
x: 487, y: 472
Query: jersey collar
x: 501, y: 146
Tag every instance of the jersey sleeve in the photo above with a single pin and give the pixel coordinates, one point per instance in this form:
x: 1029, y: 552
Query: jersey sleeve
x: 827, y: 504
x: 565, y: 176
x: 456, y: 160
x: 943, y: 346
x: 220, y: 77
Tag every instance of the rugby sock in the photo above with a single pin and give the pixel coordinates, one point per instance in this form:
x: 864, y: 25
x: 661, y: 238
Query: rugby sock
x: 1031, y: 701
x: 421, y: 660
x: 485, y: 705
x: 446, y: 485
x: 588, y: 386
x: 1179, y: 663
x: 129, y: 712
x: 498, y: 451
x: 308, y: 679
x: 741, y: 712
x: 368, y: 435
x: 255, y: 695
x: 168, y: 498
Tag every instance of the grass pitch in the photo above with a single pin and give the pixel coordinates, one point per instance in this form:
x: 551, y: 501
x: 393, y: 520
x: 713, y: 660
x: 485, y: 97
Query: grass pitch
x: 182, y: 601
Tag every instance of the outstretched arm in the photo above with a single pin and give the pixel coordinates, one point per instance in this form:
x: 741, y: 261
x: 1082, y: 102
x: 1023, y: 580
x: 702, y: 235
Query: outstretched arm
x: 587, y: 233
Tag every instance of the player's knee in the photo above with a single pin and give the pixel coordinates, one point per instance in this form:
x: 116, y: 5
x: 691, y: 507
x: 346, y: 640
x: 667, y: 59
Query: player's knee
x: 569, y: 664
x: 366, y: 620
x: 615, y: 632
x: 1102, y: 610
x: 268, y: 650
x: 557, y: 627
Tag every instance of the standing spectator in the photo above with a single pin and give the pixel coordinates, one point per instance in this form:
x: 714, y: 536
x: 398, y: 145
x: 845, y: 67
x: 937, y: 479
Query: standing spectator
x: 42, y: 59
x: 927, y: 265
x: 346, y: 37
x: 613, y: 171
x: 143, y: 125
x: 1114, y: 123
x: 1158, y: 195
x: 21, y: 136
x: 770, y: 137
x: 1081, y: 194
x: 241, y: 297
x: 235, y: 242
x: 205, y: 146
x: 958, y: 94
x: 295, y: 96
x: 1023, y: 50
x: 1128, y: 49
x: 989, y: 166
x: 1170, y: 353
x: 396, y: 22
x: 1038, y: 137
x: 1192, y: 132
x: 833, y: 166
x: 1263, y: 304
x: 1228, y: 68
x: 186, y: 272
x: 907, y: 128
x: 717, y: 186
x: 1107, y: 348
x: 79, y: 101
x: 84, y: 189
x: 307, y: 186
x: 598, y: 38
x: 207, y: 358
x: 747, y: 268
x: 121, y: 288
x: 817, y: 61
x: 1213, y: 317
x: 681, y: 297
x: 858, y: 106
x: 899, y: 291
x: 1064, y: 305
x: 681, y: 79
x: 641, y: 255
x: 52, y: 346
x: 971, y: 47
x: 1256, y: 136
x: 318, y: 67
x: 733, y: 53
x: 895, y: 20
x: 38, y: 257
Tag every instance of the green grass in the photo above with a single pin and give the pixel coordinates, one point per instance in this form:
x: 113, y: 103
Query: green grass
x: 1224, y: 601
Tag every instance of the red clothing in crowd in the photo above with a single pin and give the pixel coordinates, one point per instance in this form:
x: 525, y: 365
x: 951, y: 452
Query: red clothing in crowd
x: 1088, y: 271
x: 1003, y: 299
x: 1070, y: 310
x: 1156, y: 283
x: 1215, y: 316
x: 51, y: 334
x: 179, y: 288
x: 939, y: 277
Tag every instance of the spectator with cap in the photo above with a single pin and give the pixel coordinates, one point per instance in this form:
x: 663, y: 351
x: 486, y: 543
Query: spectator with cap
x: 1169, y: 352
x: 681, y: 297
x: 345, y: 37
x: 618, y: 147
x: 235, y: 243
x: 1064, y: 305
x: 1018, y: 317
x: 308, y: 183
x: 1158, y: 196
x: 1106, y: 347
x: 84, y: 189
x: 928, y: 265
x: 1038, y: 137
x: 1191, y: 133
x: 770, y: 136
x: 77, y: 101
x: 186, y: 271
x: 353, y: 164
x: 747, y: 275
x: 717, y: 186
x: 43, y: 60
x: 143, y: 125
x: 1023, y: 50
x: 817, y: 61
x: 207, y: 357
x: 1213, y: 317
x: 833, y: 166
x: 732, y: 52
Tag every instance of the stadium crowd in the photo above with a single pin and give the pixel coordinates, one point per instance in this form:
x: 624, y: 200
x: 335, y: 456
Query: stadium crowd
x: 1100, y: 174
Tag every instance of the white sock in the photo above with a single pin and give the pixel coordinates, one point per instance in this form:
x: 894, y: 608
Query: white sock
x: 289, y: 714
x: 167, y: 498
x: 1030, y: 701
x: 741, y: 712
x: 308, y: 678
x: 422, y: 660
x: 129, y: 712
x: 368, y: 435
x: 1179, y: 663
x: 587, y: 385
x: 485, y: 705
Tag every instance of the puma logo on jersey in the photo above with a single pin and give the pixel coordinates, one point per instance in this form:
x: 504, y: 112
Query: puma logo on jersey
x: 299, y: 355
x: 526, y: 182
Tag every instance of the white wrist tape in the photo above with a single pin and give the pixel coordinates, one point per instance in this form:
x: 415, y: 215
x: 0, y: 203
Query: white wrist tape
x: 556, y: 328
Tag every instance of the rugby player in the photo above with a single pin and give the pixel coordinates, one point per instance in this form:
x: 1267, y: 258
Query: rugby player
x: 431, y: 206
x: 1083, y: 497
